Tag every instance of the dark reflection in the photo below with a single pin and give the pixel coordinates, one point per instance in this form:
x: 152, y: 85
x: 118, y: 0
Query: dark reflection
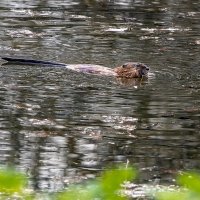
x: 132, y: 82
x: 62, y: 127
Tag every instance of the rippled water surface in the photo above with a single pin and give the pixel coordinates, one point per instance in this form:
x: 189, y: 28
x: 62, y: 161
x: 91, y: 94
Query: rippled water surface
x: 65, y: 126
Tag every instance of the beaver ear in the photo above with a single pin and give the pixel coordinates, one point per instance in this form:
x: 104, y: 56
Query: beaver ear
x: 138, y: 65
x: 124, y: 65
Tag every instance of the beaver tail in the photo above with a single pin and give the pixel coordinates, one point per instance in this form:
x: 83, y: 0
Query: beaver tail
x: 31, y: 62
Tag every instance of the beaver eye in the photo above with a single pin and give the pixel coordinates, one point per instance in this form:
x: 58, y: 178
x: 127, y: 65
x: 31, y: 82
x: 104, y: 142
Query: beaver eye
x: 124, y: 65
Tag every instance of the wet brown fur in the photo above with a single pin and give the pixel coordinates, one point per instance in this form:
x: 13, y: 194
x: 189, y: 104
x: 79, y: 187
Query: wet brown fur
x: 132, y: 70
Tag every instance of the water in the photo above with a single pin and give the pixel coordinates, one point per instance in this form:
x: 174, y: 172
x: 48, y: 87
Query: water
x: 62, y: 127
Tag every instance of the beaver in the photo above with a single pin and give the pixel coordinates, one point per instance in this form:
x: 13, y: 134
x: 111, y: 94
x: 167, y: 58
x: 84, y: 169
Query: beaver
x: 128, y: 70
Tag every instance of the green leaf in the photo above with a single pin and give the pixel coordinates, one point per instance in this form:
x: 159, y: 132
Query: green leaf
x: 11, y: 181
x: 172, y: 196
x: 112, y: 180
x: 191, y: 181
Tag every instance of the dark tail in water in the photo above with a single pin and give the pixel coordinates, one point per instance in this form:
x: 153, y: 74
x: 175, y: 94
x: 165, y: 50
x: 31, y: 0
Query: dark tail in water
x: 31, y: 61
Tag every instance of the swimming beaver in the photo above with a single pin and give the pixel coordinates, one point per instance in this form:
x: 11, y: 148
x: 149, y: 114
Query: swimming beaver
x: 127, y: 70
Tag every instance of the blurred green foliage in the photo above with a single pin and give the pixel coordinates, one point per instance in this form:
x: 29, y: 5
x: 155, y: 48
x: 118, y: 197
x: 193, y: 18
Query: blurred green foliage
x: 13, y: 185
x: 12, y: 181
x: 106, y: 187
x: 189, y: 190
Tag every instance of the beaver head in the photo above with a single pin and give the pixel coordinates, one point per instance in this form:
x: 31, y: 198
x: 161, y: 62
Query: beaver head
x: 132, y: 70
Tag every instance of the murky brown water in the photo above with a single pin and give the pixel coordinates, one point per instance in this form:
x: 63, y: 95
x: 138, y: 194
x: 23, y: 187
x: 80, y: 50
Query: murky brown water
x: 61, y: 127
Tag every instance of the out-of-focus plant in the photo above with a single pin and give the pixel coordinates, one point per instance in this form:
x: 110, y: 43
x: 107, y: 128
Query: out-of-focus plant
x: 13, y: 185
x: 189, y: 190
x: 12, y: 181
x: 106, y: 187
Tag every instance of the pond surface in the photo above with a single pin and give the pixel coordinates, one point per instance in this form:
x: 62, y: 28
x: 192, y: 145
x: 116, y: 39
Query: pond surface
x: 61, y: 127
